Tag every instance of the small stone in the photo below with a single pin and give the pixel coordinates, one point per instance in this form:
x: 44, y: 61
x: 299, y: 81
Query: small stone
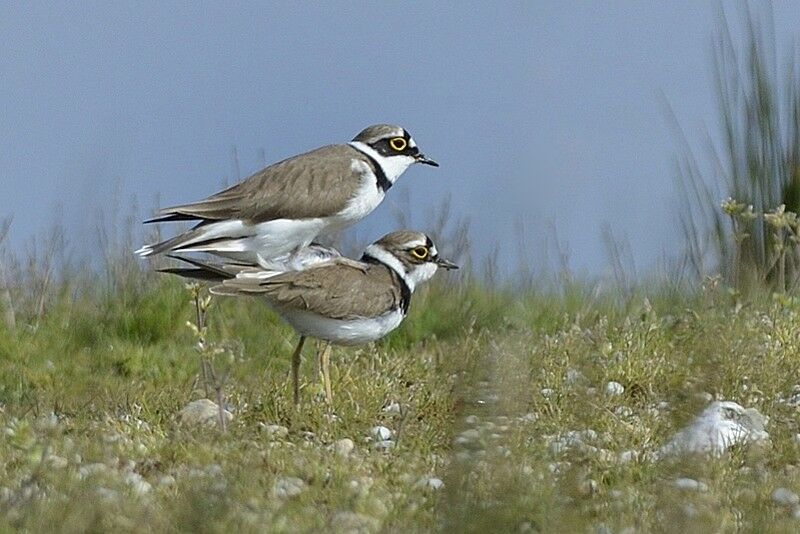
x: 392, y: 408
x: 431, y: 483
x: 166, y: 481
x: 689, y: 484
x: 470, y: 435
x: 275, y: 431
x: 573, y: 377
x: 503, y: 451
x: 202, y: 412
x: 623, y: 411
x: 57, y: 462
x: 288, y: 487
x: 588, y: 487
x: 107, y: 494
x: 471, y: 420
x: 381, y: 433
x: 529, y: 418
x: 463, y: 456
x: 343, y: 447
x: 138, y: 484
x: 785, y: 497
x: 627, y: 456
x: 547, y: 392
x: 614, y: 389
x: 383, y: 445
x: 354, y: 522
x: 90, y: 469
x: 704, y: 396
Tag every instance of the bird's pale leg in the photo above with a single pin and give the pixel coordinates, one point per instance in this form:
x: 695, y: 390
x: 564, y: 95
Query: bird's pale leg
x: 325, y: 365
x: 296, y: 370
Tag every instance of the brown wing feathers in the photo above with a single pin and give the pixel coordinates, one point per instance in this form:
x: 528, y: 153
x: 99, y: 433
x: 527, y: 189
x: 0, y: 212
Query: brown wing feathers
x: 335, y: 290
x: 314, y: 184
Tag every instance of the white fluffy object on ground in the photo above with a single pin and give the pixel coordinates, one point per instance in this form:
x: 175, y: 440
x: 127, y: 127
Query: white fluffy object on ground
x: 720, y: 426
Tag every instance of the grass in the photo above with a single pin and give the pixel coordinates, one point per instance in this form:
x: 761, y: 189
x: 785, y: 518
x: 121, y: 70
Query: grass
x: 486, y: 380
x: 751, y: 156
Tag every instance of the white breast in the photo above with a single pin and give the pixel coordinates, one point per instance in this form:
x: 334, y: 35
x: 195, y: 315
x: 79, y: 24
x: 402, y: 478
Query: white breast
x: 342, y: 331
x: 367, y: 197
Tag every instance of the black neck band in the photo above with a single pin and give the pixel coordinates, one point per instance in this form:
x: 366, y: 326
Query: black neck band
x: 405, y: 291
x: 383, y: 182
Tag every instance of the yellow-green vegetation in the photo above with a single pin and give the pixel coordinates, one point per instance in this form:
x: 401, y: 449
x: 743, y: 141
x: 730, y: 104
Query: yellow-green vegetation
x: 498, y: 408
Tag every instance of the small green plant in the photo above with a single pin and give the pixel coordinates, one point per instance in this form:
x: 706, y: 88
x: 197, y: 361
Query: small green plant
x: 784, y: 235
x: 209, y: 353
x: 757, y: 163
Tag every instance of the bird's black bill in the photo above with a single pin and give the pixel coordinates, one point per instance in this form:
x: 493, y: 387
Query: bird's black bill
x: 444, y: 264
x: 421, y: 158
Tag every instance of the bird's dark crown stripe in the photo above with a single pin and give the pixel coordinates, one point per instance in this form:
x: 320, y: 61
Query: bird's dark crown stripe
x: 383, y: 182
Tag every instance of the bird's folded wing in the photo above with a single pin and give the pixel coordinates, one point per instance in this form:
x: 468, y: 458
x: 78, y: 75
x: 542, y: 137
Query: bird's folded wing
x: 337, y: 289
x: 315, y: 184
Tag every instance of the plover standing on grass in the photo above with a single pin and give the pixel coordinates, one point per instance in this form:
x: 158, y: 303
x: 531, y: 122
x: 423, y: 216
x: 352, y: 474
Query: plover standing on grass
x: 339, y: 300
x: 284, y: 207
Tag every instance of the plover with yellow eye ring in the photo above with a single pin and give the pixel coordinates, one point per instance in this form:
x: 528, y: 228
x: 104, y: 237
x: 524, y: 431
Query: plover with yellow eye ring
x: 338, y: 300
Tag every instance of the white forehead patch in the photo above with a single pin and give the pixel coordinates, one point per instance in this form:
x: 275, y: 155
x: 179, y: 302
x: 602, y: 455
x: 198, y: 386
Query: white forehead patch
x: 398, y: 132
x: 415, y: 243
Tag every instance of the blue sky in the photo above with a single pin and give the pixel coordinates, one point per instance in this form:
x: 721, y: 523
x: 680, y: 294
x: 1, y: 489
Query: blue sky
x: 548, y: 113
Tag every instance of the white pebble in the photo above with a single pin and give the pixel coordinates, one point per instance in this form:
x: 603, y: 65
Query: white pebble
x: 381, y: 433
x: 57, y: 462
x: 202, y: 412
x: 547, y: 392
x: 343, y: 447
x: 392, y: 408
x: 383, y: 445
x: 785, y: 497
x: 90, y: 469
x: 287, y: 487
x: 614, y: 389
x: 573, y: 376
x: 139, y: 485
x: 431, y: 483
x: 529, y: 418
x: 275, y: 431
x: 690, y: 484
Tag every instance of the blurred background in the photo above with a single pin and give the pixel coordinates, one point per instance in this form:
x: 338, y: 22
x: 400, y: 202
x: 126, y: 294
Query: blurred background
x: 557, y: 124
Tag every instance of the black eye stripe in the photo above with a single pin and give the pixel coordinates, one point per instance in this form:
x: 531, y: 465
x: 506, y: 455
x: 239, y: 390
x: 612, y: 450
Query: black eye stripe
x: 384, y: 148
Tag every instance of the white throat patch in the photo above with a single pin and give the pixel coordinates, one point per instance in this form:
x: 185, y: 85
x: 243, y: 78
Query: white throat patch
x: 417, y: 275
x: 393, y: 166
x: 420, y: 273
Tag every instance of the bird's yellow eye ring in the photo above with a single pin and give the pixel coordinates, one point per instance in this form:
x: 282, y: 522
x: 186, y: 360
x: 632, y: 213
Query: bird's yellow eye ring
x: 398, y: 144
x: 420, y: 253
